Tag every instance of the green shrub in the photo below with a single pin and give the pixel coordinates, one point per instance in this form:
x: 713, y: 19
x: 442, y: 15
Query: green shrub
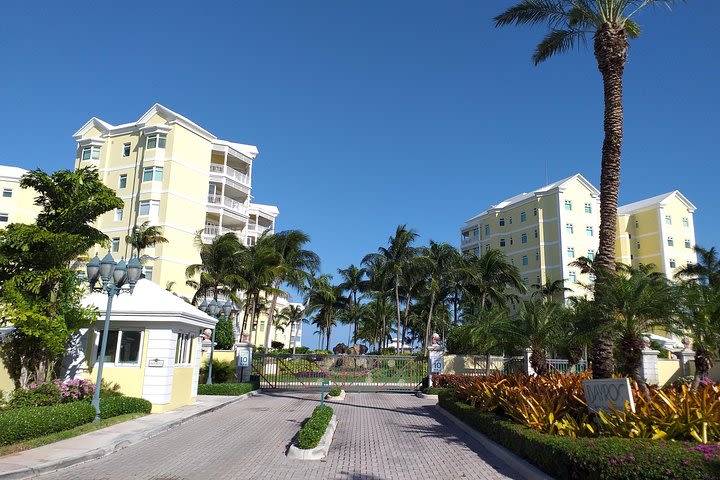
x: 224, y: 335
x: 224, y: 371
x: 114, y: 406
x: 433, y: 390
x: 110, y: 389
x: 225, y: 388
x: 36, y: 396
x: 592, y: 458
x: 335, y: 391
x: 314, y: 428
x: 25, y: 423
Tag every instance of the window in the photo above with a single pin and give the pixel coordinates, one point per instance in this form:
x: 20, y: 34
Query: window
x: 591, y: 255
x: 487, y: 230
x: 183, y: 349
x: 687, y: 244
x: 523, y: 216
x: 588, y: 208
x: 589, y: 231
x: 668, y: 220
x: 126, y: 149
x: 7, y: 192
x: 632, y: 256
x: 510, y: 220
x: 118, y: 214
x: 152, y: 174
x: 537, y: 256
x: 502, y: 242
x: 156, y: 140
x: 637, y: 245
x: 476, y: 232
x: 568, y: 205
x: 572, y: 277
x: 512, y: 261
x: 536, y: 234
x: 91, y: 153
x: 637, y: 224
x: 526, y: 281
x: 672, y: 263
x: 122, y: 181
x: 686, y: 222
x: 670, y: 241
x: 534, y: 212
x: 148, y: 272
x: 571, y: 252
x: 569, y: 228
x: 523, y: 238
x: 3, y: 217
x: 149, y: 207
x: 116, y: 244
x: 487, y: 247
x: 592, y: 277
x: 537, y: 280
x: 525, y: 260
x: 502, y: 221
x: 511, y: 241
x: 476, y: 251
x: 123, y: 346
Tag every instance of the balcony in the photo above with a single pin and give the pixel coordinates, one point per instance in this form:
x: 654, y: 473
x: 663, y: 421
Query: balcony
x: 255, y: 228
x: 233, y: 207
x: 231, y: 173
x: 468, y: 239
x: 212, y: 231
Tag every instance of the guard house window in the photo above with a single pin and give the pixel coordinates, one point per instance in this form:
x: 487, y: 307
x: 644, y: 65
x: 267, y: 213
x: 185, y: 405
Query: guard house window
x: 122, y: 181
x: 487, y: 230
x: 523, y: 216
x: 7, y: 192
x: 571, y: 252
x: 670, y: 241
x: 672, y: 263
x: 568, y: 205
x: 123, y: 347
x: 668, y: 220
x: 156, y: 140
x: 588, y: 208
x: 149, y: 207
x: 118, y: 214
x: 126, y: 149
x: 523, y: 238
x: 502, y: 221
x: 687, y: 244
x: 183, y: 349
x: 502, y: 242
x: 153, y: 174
x: 116, y: 244
x: 3, y: 217
x: 525, y: 260
x: 589, y: 231
x: 686, y: 222
x: 569, y: 228
x: 91, y: 153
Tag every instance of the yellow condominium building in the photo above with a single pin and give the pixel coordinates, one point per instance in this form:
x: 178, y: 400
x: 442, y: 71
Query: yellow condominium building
x: 658, y: 231
x: 17, y: 205
x: 542, y: 232
x: 174, y: 174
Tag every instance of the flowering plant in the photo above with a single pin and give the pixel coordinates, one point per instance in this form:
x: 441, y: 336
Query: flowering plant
x: 73, y: 390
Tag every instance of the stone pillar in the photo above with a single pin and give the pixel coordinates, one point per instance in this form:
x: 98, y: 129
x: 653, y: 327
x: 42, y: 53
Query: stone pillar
x: 685, y: 357
x: 243, y: 356
x: 526, y: 364
x: 649, y: 366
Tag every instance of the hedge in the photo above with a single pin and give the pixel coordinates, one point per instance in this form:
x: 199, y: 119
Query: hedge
x: 602, y: 458
x: 225, y: 388
x: 335, y: 391
x: 30, y: 422
x: 314, y: 428
x: 114, y: 406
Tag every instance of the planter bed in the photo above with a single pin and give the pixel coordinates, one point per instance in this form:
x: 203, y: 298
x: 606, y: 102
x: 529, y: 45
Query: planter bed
x: 336, y: 398
x: 602, y: 458
x: 315, y: 437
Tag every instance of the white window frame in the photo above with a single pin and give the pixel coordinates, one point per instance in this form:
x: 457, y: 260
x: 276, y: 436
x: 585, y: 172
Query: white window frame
x: 156, y: 173
x: 686, y: 222
x: 523, y: 238
x: 115, y: 247
x: 126, y: 148
x: 502, y: 242
x: 184, y: 349
x: 568, y: 205
x: 670, y: 242
x: 153, y: 208
x: 688, y: 243
x: 570, y: 252
x: 4, y: 217
x: 523, y: 217
x: 94, y: 153
x: 501, y: 221
x: 487, y: 230
x: 122, y: 180
x: 148, y: 269
x: 157, y: 139
x: 7, y: 193
x: 588, y: 207
x: 673, y: 264
x: 116, y: 361
x: 668, y: 219
x: 569, y: 228
x: 572, y: 277
x: 591, y: 254
x: 589, y: 231
x: 118, y: 214
x: 525, y: 260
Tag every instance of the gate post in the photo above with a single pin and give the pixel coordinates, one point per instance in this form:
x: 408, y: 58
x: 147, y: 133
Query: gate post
x: 243, y: 354
x: 435, y: 358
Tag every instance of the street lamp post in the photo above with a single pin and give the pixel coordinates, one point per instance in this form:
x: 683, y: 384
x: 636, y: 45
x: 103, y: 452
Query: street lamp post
x: 113, y: 275
x: 214, y: 309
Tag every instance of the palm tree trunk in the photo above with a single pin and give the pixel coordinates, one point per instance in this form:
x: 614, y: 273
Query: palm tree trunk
x: 702, y: 365
x: 328, y: 319
x: 397, y: 304
x: 611, y: 48
x: 406, y: 319
x: 428, y: 326
x: 271, y: 315
x: 632, y: 345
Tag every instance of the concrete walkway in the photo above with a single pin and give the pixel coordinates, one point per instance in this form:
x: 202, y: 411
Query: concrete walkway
x: 379, y: 436
x: 102, y: 442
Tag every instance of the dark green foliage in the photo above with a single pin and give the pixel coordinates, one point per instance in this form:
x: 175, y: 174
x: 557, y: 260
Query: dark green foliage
x: 289, y: 351
x: 335, y: 391
x: 114, y: 406
x: 110, y: 389
x: 433, y: 390
x: 314, y: 428
x: 232, y: 389
x: 40, y: 396
x: 590, y: 458
x: 30, y: 422
x: 223, y: 371
x: 224, y: 336
x: 277, y: 345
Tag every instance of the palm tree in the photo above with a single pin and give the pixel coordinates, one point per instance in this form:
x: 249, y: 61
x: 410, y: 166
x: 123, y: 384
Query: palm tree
x: 611, y: 22
x: 352, y: 282
x: 440, y: 260
x: 293, y: 315
x: 295, y: 265
x: 537, y: 326
x: 144, y: 236
x: 326, y: 299
x: 411, y: 280
x: 700, y: 317
x: 488, y: 330
x: 217, y: 268
x: 489, y: 277
x: 550, y: 290
x: 396, y: 256
x: 707, y: 268
x: 379, y: 286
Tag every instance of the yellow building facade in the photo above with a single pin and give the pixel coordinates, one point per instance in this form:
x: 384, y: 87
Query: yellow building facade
x: 174, y: 174
x: 17, y: 205
x: 289, y: 334
x: 542, y: 232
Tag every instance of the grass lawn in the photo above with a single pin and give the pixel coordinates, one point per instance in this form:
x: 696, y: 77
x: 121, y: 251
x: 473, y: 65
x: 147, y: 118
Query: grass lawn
x: 73, y: 432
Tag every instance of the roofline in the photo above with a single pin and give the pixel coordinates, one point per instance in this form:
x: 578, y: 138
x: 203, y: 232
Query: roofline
x: 690, y: 206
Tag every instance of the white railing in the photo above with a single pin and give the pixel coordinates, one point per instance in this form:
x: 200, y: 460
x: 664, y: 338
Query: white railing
x: 230, y: 172
x: 227, y: 202
x: 215, y: 230
x: 253, y: 227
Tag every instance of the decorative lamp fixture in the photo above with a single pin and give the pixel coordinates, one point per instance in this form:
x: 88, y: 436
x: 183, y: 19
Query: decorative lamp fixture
x: 227, y: 308
x: 120, y: 273
x: 213, y: 307
x: 93, y: 270
x: 134, y: 271
x: 106, y: 267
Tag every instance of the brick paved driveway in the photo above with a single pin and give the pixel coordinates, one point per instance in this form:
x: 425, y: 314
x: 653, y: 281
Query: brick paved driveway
x: 379, y: 436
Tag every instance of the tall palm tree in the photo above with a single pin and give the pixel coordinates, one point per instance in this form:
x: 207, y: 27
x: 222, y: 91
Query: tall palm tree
x: 217, y: 271
x: 700, y: 318
x: 294, y: 266
x: 352, y: 282
x: 396, y: 256
x: 294, y: 315
x: 144, y: 236
x: 611, y: 22
x: 550, y: 290
x: 379, y: 286
x: 488, y: 330
x: 326, y: 299
x: 440, y: 261
x: 488, y: 278
x: 537, y: 326
x: 411, y: 281
x: 706, y: 269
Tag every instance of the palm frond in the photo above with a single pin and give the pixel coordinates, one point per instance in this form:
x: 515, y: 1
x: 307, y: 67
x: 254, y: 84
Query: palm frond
x: 533, y: 12
x: 557, y: 41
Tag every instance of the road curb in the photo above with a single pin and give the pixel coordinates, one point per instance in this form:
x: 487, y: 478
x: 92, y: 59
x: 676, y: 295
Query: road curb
x: 519, y: 464
x: 339, y: 398
x: 420, y: 394
x: 119, y: 444
x: 319, y: 452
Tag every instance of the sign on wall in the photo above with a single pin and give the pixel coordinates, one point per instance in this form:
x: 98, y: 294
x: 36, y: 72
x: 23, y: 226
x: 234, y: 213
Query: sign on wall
x: 437, y: 363
x: 608, y: 392
x: 243, y: 358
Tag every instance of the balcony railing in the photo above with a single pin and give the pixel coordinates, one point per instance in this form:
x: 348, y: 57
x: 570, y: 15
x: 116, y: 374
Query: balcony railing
x: 226, y: 202
x: 215, y: 230
x: 253, y: 227
x: 469, y: 239
x: 230, y: 172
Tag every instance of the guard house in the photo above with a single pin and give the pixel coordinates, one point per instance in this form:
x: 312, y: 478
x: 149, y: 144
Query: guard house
x: 153, y: 348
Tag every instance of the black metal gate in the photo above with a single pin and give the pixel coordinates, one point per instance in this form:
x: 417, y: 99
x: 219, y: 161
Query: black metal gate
x: 353, y: 373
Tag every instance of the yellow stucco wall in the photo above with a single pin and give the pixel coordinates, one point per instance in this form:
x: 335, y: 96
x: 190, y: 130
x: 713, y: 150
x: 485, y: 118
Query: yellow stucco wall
x: 181, y: 390
x: 470, y: 364
x: 20, y: 207
x: 668, y: 371
x: 6, y: 383
x: 219, y: 355
x: 130, y: 378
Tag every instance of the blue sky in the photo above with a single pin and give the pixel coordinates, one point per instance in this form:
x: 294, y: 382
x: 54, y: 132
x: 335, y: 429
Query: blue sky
x: 369, y: 114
